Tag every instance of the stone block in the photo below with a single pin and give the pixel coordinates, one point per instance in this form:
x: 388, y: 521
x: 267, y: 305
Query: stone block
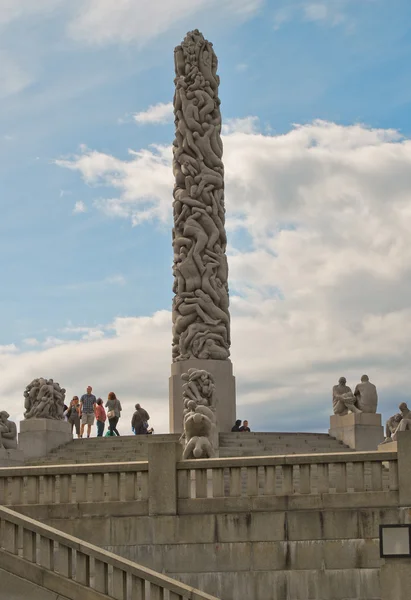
x: 305, y: 525
x: 404, y: 471
x: 359, y: 431
x: 203, y: 558
x: 252, y: 527
x: 222, y: 371
x: 395, y: 579
x: 38, y: 437
x: 388, y: 447
x: 162, y: 477
x: 11, y: 458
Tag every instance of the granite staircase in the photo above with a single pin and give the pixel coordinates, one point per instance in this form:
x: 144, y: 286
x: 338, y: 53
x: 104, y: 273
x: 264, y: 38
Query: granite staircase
x: 268, y: 444
x: 131, y: 448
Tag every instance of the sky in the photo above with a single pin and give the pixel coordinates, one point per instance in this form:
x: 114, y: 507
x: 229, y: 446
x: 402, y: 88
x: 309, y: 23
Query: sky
x: 316, y: 104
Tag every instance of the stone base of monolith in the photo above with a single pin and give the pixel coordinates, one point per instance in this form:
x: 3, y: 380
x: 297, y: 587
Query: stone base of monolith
x: 222, y: 371
x: 359, y: 431
x: 11, y: 458
x: 38, y: 437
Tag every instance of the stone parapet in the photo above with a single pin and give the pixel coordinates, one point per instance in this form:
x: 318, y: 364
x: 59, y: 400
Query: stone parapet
x: 11, y: 458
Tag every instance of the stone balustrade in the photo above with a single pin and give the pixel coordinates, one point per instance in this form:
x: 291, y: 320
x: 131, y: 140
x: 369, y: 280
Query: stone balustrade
x: 288, y: 475
x: 74, y: 484
x: 73, y: 568
x: 166, y: 485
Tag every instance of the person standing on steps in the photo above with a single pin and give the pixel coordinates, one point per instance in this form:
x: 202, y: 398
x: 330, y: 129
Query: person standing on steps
x: 244, y: 426
x: 113, y: 412
x: 100, y: 417
x: 237, y: 425
x: 73, y: 415
x: 87, y: 404
x: 139, y: 422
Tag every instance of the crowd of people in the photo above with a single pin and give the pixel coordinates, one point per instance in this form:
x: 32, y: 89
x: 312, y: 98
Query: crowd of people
x: 83, y: 412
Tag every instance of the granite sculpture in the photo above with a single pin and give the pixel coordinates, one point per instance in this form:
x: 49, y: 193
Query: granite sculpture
x: 366, y: 395
x: 44, y: 399
x: 344, y: 400
x: 391, y: 427
x: 201, y: 320
x: 8, y: 432
x: 405, y: 423
x: 200, y: 437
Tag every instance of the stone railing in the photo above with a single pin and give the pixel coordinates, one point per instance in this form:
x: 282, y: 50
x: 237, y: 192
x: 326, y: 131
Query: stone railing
x: 75, y: 569
x: 165, y: 485
x: 288, y: 475
x: 74, y: 484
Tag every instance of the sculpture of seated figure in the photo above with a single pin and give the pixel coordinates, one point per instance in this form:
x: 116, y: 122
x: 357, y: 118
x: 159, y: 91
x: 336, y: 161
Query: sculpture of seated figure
x: 391, y: 426
x: 344, y: 400
x: 366, y: 395
x: 8, y: 432
x: 405, y: 423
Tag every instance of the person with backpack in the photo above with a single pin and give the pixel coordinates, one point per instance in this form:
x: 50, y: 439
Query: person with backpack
x: 139, y: 422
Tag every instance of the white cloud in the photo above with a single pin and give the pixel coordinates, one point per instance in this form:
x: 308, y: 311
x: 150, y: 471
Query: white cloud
x: 144, y: 182
x: 243, y: 125
x: 79, y: 208
x: 125, y: 21
x: 241, y: 67
x: 158, y: 113
x: 11, y: 10
x: 322, y: 285
x: 7, y: 348
x: 13, y: 77
x: 331, y: 13
x: 31, y: 342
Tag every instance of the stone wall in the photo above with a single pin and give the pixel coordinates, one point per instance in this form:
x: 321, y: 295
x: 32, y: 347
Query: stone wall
x: 286, y: 528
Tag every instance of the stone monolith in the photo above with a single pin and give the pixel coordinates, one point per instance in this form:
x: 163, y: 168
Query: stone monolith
x: 201, y: 318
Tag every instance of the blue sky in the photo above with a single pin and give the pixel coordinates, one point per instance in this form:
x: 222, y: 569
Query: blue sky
x: 74, y: 74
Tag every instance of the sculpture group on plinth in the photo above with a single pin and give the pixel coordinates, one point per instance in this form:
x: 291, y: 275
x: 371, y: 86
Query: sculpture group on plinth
x: 200, y: 437
x: 44, y: 399
x: 8, y: 432
x: 398, y: 422
x: 363, y: 400
x: 355, y: 421
x: 201, y: 320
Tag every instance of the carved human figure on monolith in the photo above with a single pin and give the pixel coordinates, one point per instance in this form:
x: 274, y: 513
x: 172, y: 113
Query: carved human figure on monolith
x: 44, y: 399
x: 366, y: 395
x: 200, y: 437
x: 343, y: 399
x: 8, y: 432
x: 201, y: 320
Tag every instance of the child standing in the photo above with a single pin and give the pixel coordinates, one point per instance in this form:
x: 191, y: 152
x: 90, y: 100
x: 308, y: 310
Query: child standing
x: 100, y: 417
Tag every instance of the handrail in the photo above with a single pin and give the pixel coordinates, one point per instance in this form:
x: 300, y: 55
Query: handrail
x: 71, y: 560
x: 287, y: 459
x: 72, y: 469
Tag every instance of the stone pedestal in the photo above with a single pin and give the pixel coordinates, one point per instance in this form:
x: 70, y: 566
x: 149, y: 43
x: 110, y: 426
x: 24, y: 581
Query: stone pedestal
x: 38, y: 437
x: 11, y: 458
x: 388, y: 447
x: 359, y: 431
x: 222, y: 371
